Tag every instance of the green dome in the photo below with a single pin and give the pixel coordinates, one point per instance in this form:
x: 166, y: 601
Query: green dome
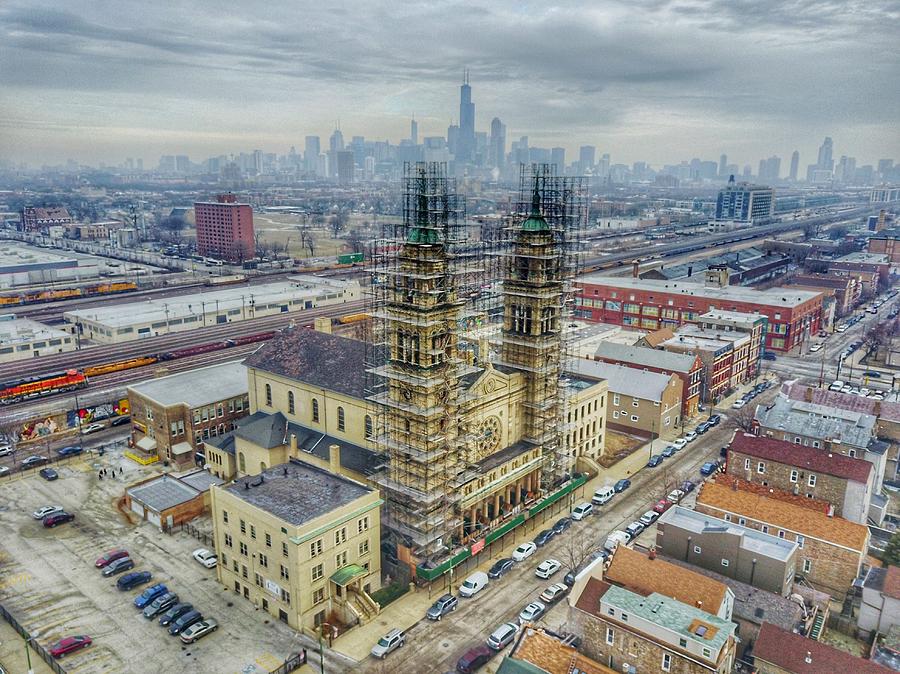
x: 535, y: 223
x: 423, y: 235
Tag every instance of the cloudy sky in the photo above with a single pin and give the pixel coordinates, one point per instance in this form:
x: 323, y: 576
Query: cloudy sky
x: 654, y: 80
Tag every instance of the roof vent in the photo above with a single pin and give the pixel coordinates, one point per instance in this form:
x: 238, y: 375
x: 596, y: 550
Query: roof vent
x: 808, y: 658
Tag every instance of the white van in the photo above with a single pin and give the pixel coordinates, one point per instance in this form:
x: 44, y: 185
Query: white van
x: 616, y: 538
x: 474, y: 584
x: 581, y: 511
x: 603, y: 495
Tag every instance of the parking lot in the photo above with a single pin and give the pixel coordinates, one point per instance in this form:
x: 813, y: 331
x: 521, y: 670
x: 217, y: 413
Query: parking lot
x: 51, y: 586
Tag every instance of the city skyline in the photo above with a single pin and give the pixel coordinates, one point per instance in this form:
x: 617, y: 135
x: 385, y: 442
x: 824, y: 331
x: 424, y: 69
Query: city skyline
x: 656, y: 84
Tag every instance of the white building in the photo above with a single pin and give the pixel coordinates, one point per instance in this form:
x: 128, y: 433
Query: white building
x: 22, y: 338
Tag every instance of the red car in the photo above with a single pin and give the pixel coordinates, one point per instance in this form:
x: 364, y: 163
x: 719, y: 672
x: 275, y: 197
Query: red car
x: 110, y: 556
x: 662, y: 506
x: 69, y: 644
x: 51, y: 521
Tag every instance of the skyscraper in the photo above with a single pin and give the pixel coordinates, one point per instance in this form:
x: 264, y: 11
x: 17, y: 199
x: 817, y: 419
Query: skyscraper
x: 336, y: 142
x: 795, y: 166
x: 723, y: 165
x: 586, y: 157
x: 311, y: 150
x: 465, y: 145
x: 498, y: 144
x: 558, y: 159
x: 825, y: 159
x: 414, y: 131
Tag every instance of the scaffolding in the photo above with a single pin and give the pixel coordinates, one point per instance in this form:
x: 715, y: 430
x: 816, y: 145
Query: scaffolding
x: 542, y: 252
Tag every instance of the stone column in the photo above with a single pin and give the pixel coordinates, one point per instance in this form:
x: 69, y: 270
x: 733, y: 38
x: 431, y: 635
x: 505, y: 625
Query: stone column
x: 496, y: 505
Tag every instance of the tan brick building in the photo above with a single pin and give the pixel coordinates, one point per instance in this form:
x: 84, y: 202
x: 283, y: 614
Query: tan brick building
x: 301, y: 543
x: 845, y: 482
x: 832, y: 549
x: 172, y: 416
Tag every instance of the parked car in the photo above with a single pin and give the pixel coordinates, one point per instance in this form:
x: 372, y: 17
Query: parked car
x: 148, y: 595
x: 532, y: 612
x: 649, y: 518
x: 690, y: 436
x: 738, y: 404
x: 199, y: 630
x: 33, y: 461
x: 547, y: 568
x: 709, y: 468
x: 603, y: 495
x: 68, y: 645
x: 442, y: 606
x: 49, y: 474
x: 544, y: 537
x: 502, y: 636
x: 92, y: 428
x: 621, y: 485
x: 119, y: 421
x: 702, y: 428
x: 633, y: 530
x: 872, y: 374
x: 43, y: 511
x: 110, y: 556
x: 524, y: 551
x: 132, y: 580
x: 174, y: 613
x: 389, y: 643
x: 474, y: 659
x: 6, y: 450
x: 71, y: 450
x: 186, y: 620
x: 816, y: 347
x: 669, y: 451
x: 56, y: 519
x: 562, y: 524
x: 500, y: 567
x: 160, y: 605
x: 655, y: 461
x: 662, y: 506
x: 4, y: 470
x: 715, y: 419
x: 768, y: 355
x: 473, y: 584
x: 554, y: 593
x: 675, y: 496
x: 680, y: 443
x: 206, y: 557
x: 581, y: 511
x: 118, y: 565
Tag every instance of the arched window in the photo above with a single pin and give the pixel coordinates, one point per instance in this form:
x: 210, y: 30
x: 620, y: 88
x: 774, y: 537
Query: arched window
x: 290, y: 402
x: 368, y: 426
x: 340, y: 418
x: 268, y: 395
x: 242, y: 464
x: 315, y: 409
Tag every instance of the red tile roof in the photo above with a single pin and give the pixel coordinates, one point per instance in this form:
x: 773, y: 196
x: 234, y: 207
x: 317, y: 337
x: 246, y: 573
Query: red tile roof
x: 791, y: 651
x: 589, y: 599
x: 809, y: 458
x: 892, y: 582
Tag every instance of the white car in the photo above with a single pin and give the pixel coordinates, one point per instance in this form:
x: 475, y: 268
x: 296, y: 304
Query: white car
x: 6, y: 450
x: 524, y: 551
x: 554, y: 592
x: 93, y: 428
x: 206, y: 557
x: 675, y: 496
x: 532, y: 612
x: 815, y: 347
x: 680, y: 443
x: 690, y: 436
x: 41, y: 513
x: 4, y: 470
x: 738, y: 404
x: 649, y: 517
x: 547, y: 568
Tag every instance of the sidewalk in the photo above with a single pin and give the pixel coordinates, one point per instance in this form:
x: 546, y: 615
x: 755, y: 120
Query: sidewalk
x: 12, y: 653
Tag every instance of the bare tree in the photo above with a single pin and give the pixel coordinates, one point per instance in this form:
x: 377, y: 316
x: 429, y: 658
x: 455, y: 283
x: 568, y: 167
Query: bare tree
x: 355, y: 241
x: 337, y: 223
x: 743, y: 418
x: 576, y: 550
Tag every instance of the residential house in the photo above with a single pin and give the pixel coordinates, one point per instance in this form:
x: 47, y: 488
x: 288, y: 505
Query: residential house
x: 716, y: 356
x: 547, y: 653
x: 754, y: 325
x: 741, y: 367
x: 879, y: 609
x: 778, y: 651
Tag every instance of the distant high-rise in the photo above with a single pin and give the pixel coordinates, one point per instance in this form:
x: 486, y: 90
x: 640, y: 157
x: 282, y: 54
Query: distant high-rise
x: 744, y: 202
x: 414, y: 131
x: 465, y: 145
x: 345, y: 167
x: 586, y: 157
x: 182, y: 163
x: 825, y: 150
x: 795, y: 166
x: 336, y: 142
x: 498, y: 144
x: 453, y: 139
x: 761, y: 174
x: 311, y: 151
x: 558, y: 159
x: 723, y: 165
x: 224, y: 229
x: 770, y: 169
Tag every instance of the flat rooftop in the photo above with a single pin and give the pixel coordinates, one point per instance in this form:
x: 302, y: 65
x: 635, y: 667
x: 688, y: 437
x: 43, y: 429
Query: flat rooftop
x: 735, y: 317
x: 22, y: 257
x: 865, y: 258
x: 25, y: 330
x: 297, y: 492
x: 163, y: 493
x: 777, y: 297
x: 195, y: 388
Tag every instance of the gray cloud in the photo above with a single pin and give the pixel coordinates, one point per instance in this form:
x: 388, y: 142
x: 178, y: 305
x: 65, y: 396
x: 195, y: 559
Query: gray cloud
x: 657, y: 80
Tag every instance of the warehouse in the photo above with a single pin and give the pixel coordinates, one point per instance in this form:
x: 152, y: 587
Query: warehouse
x: 126, y: 322
x: 22, y: 338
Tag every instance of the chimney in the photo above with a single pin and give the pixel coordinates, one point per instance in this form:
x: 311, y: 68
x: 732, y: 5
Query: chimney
x: 334, y: 459
x: 699, y: 604
x: 293, y: 444
x: 808, y: 395
x: 830, y: 512
x: 690, y: 271
x: 652, y: 554
x: 635, y: 268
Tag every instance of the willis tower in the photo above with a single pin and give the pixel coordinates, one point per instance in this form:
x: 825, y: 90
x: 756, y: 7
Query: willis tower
x: 465, y: 146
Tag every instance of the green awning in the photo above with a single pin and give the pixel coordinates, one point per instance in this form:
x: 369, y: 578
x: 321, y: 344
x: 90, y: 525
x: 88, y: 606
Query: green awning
x: 345, y: 574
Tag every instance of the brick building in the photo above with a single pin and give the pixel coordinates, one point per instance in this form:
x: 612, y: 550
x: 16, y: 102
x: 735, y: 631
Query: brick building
x: 725, y: 357
x: 847, y: 289
x: 846, y: 483
x: 168, y: 500
x: 778, y: 651
x: 688, y: 368
x: 650, y: 305
x: 225, y: 229
x: 832, y: 549
x: 754, y: 325
x: 872, y: 263
x: 36, y: 219
x: 879, y: 609
x: 886, y: 243
x: 172, y: 416
x: 548, y: 653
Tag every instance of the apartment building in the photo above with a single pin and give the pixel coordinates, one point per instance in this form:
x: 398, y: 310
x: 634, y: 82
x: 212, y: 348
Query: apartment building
x: 831, y: 549
x: 300, y: 543
x: 225, y: 229
x: 879, y: 609
x: 845, y: 482
x: 725, y: 357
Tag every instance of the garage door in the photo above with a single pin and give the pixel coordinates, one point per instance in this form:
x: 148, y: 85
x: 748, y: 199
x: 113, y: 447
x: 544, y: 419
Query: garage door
x: 153, y: 517
x: 138, y: 508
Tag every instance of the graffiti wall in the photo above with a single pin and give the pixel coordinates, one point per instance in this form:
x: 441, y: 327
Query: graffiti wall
x: 60, y: 422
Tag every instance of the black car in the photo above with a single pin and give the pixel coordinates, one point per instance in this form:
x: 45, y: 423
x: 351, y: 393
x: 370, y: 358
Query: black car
x: 442, y: 607
x: 34, y: 460
x: 500, y: 567
x: 714, y: 420
x: 132, y: 580
x: 49, y: 474
x: 174, y: 613
x: 768, y: 355
x: 544, y: 537
x: 702, y: 428
x: 723, y: 452
x: 118, y: 421
x: 185, y: 621
x: 687, y: 486
x: 70, y: 451
x: 562, y: 525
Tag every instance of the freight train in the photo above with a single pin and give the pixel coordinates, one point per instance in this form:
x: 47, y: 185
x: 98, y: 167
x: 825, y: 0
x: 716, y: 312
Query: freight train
x: 25, y: 388
x: 51, y: 295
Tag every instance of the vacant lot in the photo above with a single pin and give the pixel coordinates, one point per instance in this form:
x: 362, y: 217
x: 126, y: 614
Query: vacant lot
x: 51, y: 586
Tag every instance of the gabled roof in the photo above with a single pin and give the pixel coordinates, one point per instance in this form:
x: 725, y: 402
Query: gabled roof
x: 799, y: 417
x: 799, y: 655
x: 639, y: 573
x: 643, y: 356
x: 892, y: 582
x: 809, y: 458
x: 784, y: 515
x: 883, y: 409
x: 657, y: 337
x: 550, y: 655
x: 629, y: 381
x: 317, y: 358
